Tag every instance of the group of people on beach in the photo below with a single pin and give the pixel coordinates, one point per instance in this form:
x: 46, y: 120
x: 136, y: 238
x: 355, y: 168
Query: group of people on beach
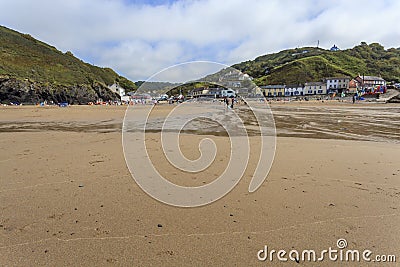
x: 232, y: 101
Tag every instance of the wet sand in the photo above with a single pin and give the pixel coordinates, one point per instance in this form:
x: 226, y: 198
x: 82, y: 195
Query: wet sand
x: 67, y: 197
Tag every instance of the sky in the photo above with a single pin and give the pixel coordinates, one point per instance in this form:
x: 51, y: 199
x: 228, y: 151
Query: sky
x: 140, y: 38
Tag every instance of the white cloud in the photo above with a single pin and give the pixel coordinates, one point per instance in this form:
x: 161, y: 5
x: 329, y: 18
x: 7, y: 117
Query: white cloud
x: 138, y: 40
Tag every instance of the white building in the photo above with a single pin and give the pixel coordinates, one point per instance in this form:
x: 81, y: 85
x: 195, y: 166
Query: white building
x: 216, y: 92
x: 125, y: 98
x: 337, y: 84
x: 228, y: 93
x: 370, y: 81
x: 116, y: 88
x: 294, y: 90
x: 315, y: 88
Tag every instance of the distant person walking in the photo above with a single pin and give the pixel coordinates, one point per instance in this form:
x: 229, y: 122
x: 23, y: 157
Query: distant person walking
x: 354, y: 98
x: 233, y: 101
x: 226, y: 102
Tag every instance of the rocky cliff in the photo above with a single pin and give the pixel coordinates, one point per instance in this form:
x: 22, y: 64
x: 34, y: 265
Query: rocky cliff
x: 32, y: 71
x: 13, y: 90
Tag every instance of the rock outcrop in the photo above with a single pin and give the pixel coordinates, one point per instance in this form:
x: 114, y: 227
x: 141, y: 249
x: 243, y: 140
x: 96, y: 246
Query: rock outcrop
x: 27, y: 92
x: 394, y: 99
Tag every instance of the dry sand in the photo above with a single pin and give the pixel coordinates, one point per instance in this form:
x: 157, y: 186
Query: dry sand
x: 67, y: 197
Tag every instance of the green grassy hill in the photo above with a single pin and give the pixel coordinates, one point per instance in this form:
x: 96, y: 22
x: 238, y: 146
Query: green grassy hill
x: 313, y: 64
x: 23, y: 57
x: 32, y: 71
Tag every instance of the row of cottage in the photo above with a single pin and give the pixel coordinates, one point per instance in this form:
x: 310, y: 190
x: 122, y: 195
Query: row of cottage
x: 332, y: 85
x: 338, y: 85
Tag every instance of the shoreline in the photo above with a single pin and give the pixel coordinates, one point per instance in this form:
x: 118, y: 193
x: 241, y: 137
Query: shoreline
x: 310, y: 120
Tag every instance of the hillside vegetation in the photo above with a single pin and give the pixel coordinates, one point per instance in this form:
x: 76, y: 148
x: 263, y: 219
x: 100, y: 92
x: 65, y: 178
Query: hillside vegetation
x: 300, y: 65
x: 32, y: 71
x: 29, y: 63
x: 24, y: 57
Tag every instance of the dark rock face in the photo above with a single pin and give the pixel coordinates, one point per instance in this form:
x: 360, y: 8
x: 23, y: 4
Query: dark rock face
x: 28, y: 92
x: 395, y: 99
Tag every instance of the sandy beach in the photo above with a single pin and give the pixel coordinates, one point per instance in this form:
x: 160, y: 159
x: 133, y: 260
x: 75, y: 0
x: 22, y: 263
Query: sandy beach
x: 68, y: 198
